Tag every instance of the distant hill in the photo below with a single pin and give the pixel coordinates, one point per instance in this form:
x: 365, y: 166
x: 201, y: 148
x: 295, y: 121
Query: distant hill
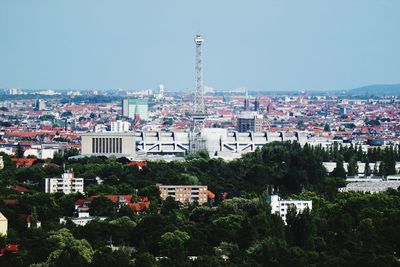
x: 377, y: 89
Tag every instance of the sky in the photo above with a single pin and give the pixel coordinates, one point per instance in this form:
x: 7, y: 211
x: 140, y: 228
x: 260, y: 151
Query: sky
x: 256, y: 44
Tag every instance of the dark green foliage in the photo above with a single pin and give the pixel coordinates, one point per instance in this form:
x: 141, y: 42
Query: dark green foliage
x: 102, y: 206
x: 342, y: 229
x: 20, y: 151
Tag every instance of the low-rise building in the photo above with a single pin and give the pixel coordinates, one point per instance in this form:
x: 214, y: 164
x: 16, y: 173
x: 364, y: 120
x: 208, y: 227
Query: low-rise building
x: 280, y: 206
x: 185, y: 193
x: 67, y: 184
x: 81, y: 219
x: 370, y: 187
x: 135, y: 203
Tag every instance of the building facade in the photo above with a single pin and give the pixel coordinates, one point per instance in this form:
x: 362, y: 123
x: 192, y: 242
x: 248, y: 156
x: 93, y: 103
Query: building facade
x: 135, y: 108
x: 108, y: 143
x: 3, y: 225
x: 120, y: 126
x: 249, y: 122
x: 185, y: 193
x: 280, y: 206
x: 67, y: 184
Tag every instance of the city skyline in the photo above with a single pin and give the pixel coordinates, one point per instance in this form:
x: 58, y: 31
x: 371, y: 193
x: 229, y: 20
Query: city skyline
x: 264, y: 46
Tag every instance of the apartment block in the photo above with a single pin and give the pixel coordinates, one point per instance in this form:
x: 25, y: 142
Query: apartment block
x: 280, y: 206
x: 67, y: 184
x: 185, y: 193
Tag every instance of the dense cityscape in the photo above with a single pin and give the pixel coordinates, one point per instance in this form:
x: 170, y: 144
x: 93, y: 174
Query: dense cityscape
x: 165, y: 176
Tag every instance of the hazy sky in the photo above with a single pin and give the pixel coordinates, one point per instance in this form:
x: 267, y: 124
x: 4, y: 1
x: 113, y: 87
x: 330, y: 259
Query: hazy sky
x: 257, y: 44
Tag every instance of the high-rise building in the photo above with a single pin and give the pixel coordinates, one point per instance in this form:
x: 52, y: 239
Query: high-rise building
x: 246, y: 103
x: 343, y: 111
x: 67, y: 184
x: 135, y: 108
x: 249, y: 121
x: 120, y: 126
x: 256, y: 104
x: 40, y: 104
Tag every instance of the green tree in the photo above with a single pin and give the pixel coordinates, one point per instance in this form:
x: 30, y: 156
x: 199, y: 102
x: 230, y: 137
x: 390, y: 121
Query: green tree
x: 173, y: 246
x: 367, y: 169
x: 339, y: 171
x: 67, y: 251
x: 352, y: 167
x: 20, y: 151
x: 102, y: 206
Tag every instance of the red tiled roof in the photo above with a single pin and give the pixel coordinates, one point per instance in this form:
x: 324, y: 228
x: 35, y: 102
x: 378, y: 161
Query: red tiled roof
x: 139, y: 203
x: 23, y: 162
x: 210, y: 194
x: 140, y: 164
x: 10, y: 202
x: 20, y: 188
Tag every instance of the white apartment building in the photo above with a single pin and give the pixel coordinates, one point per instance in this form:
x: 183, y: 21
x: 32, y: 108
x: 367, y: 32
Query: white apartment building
x: 120, y: 126
x: 280, y: 206
x: 185, y: 193
x: 67, y: 184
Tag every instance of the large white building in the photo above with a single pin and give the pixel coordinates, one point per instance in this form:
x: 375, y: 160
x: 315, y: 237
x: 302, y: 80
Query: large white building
x: 370, y: 186
x: 220, y: 143
x: 67, y: 184
x: 108, y: 143
x: 280, y: 206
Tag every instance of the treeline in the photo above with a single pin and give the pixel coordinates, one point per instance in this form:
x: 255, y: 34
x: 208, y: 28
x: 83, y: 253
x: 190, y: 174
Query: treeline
x: 352, y: 230
x: 284, y: 167
x: 348, y: 229
x: 337, y: 152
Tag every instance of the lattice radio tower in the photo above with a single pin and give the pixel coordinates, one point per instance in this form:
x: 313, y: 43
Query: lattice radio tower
x: 199, y: 94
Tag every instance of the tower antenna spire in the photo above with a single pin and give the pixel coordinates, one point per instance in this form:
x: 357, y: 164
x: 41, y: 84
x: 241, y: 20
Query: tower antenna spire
x: 199, y: 94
